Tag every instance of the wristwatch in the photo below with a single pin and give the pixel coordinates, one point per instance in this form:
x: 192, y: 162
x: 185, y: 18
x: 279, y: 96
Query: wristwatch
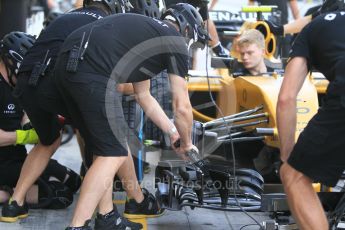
x: 172, y: 131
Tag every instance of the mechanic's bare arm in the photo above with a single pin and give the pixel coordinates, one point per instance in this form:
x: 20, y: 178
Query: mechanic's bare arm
x: 125, y: 88
x: 212, y: 4
x: 152, y: 108
x: 25, y: 119
x: 78, y: 4
x: 295, y: 74
x: 45, y: 149
x: 294, y: 9
x: 213, y: 33
x: 183, y: 116
x: 251, y: 2
x: 7, y: 138
x: 297, y: 25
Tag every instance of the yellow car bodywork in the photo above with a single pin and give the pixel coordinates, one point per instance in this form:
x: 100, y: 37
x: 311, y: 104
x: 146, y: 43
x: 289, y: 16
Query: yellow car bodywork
x: 236, y: 94
x: 242, y: 93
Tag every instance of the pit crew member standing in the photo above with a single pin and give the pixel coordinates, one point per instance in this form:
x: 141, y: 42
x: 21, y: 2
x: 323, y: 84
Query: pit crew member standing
x: 41, y: 97
x: 318, y: 154
x: 92, y: 61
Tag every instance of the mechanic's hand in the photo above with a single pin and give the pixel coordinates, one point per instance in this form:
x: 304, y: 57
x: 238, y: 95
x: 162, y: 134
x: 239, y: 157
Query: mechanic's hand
x: 174, y: 139
x: 275, y: 29
x: 182, y: 149
x: 220, y: 51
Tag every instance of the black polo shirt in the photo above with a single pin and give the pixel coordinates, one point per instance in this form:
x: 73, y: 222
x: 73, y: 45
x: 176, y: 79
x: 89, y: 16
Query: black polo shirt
x: 51, y: 38
x: 322, y: 42
x: 11, y: 115
x: 43, y: 102
x: 281, y: 5
x: 130, y: 47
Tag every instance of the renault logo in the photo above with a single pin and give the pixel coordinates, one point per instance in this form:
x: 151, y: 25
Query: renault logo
x: 11, y: 107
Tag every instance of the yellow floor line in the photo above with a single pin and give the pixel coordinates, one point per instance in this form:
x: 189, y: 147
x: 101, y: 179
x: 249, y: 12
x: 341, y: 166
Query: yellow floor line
x: 119, y: 201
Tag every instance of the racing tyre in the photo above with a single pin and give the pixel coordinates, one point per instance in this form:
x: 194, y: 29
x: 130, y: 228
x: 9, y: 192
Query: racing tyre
x: 160, y: 90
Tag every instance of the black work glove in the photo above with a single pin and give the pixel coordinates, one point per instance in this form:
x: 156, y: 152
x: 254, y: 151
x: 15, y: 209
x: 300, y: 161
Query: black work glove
x: 275, y: 29
x: 220, y: 51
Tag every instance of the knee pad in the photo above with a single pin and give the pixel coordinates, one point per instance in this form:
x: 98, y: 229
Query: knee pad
x: 62, y: 196
x: 44, y: 194
x: 74, y: 181
x: 53, y: 195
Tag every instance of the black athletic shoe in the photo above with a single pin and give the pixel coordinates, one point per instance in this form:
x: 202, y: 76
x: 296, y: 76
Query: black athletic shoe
x: 85, y: 227
x: 11, y: 211
x: 114, y: 221
x: 148, y: 208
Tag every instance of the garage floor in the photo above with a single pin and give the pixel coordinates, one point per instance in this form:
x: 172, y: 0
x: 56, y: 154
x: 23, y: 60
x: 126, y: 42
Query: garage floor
x: 201, y: 219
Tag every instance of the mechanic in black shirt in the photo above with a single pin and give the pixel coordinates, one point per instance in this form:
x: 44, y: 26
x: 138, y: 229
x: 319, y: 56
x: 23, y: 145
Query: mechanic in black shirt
x: 318, y: 154
x: 112, y: 52
x: 41, y: 97
x: 282, y: 6
x: 201, y: 5
x: 283, y: 43
x: 50, y: 18
x: 297, y: 25
x: 55, y: 187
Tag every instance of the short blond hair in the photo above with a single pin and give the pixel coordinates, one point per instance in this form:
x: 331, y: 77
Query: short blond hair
x: 252, y: 36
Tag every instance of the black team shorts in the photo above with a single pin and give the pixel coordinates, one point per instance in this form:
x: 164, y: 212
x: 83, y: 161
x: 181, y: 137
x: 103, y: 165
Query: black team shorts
x: 97, y: 115
x: 320, y: 150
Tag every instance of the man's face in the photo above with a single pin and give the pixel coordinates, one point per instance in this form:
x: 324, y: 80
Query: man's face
x: 251, y: 55
x: 12, y: 77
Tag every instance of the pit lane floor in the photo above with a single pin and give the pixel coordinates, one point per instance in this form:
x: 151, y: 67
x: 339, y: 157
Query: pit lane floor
x: 187, y: 219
